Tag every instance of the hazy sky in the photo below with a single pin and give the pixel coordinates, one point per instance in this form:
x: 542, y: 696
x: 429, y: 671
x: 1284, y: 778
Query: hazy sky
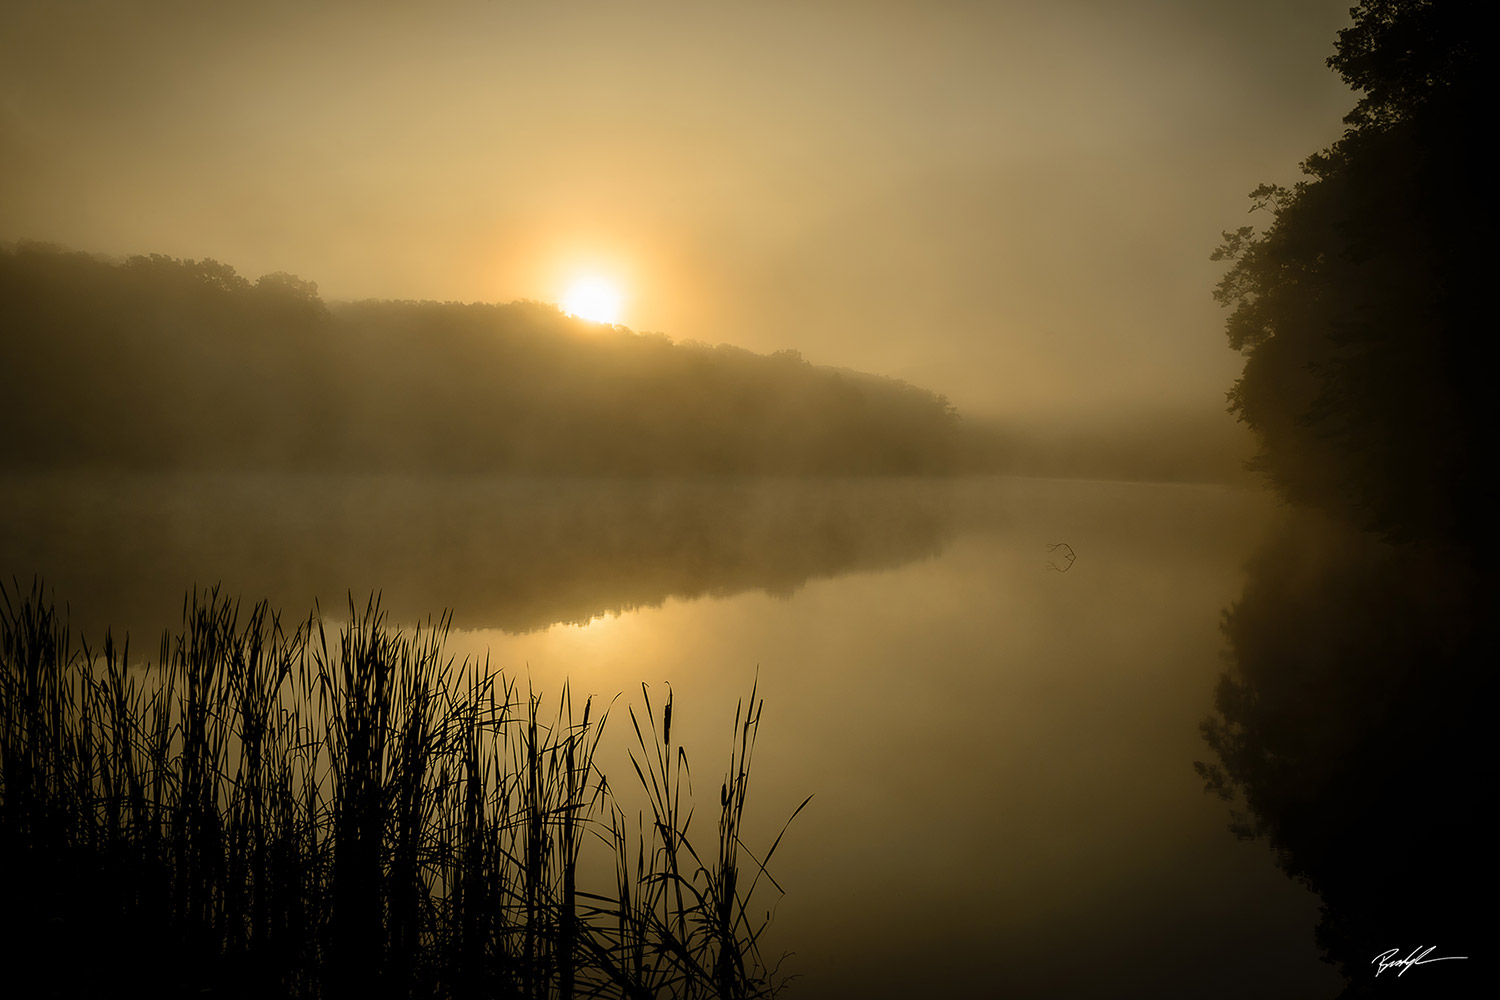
x: 1012, y: 203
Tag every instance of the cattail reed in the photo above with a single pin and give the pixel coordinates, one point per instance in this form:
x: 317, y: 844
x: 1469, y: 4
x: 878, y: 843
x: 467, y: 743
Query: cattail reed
x: 289, y: 811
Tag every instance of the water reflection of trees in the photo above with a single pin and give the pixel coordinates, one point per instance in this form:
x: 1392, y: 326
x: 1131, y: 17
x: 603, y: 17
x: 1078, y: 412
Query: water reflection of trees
x: 516, y: 554
x: 1351, y: 728
x: 1362, y: 651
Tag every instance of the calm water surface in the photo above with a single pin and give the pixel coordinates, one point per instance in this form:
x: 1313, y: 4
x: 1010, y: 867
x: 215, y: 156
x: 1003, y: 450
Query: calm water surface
x: 1000, y: 753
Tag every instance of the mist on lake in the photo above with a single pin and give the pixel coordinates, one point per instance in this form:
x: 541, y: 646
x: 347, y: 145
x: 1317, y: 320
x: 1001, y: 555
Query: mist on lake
x: 685, y: 501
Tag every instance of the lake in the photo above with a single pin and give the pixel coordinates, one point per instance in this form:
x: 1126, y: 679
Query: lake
x: 999, y: 743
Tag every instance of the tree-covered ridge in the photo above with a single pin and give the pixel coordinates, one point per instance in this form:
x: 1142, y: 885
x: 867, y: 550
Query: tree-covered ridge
x: 157, y: 362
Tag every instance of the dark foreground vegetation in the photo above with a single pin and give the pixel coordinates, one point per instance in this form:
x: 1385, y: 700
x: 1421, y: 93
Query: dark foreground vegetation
x: 1352, y: 725
x: 270, y: 812
x: 156, y: 363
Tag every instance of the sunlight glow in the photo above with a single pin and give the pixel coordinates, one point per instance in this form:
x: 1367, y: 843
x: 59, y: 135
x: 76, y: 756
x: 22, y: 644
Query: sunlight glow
x: 595, y: 299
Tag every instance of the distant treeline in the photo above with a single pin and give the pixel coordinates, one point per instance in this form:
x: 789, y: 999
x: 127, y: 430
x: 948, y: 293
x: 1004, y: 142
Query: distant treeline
x: 163, y: 363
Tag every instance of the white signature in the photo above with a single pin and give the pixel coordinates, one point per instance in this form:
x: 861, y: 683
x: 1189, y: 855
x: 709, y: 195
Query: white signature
x: 1387, y: 960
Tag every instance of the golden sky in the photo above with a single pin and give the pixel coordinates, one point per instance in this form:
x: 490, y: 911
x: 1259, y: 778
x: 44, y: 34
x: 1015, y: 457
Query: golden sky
x: 1012, y: 202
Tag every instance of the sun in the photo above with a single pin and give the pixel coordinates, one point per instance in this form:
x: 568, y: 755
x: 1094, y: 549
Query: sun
x: 593, y: 298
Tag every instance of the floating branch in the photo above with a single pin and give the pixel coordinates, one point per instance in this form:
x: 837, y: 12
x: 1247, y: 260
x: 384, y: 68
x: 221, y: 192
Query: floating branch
x: 1067, y: 554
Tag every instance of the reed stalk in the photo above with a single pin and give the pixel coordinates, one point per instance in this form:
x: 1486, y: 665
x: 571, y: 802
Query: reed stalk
x: 294, y: 811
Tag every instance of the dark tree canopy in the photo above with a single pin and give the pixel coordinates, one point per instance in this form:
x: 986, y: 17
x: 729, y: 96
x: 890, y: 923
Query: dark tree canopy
x: 1350, y: 726
x: 1360, y: 308
x: 1402, y: 54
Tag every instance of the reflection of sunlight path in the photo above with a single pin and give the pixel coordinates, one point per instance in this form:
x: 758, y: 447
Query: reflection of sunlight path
x: 701, y: 649
x: 578, y: 652
x: 1042, y: 734
x: 599, y: 640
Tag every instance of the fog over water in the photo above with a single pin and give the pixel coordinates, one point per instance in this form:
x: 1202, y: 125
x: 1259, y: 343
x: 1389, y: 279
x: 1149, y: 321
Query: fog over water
x: 999, y: 751
x: 1115, y: 554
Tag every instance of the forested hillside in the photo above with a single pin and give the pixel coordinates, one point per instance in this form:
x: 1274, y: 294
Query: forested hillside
x: 165, y: 363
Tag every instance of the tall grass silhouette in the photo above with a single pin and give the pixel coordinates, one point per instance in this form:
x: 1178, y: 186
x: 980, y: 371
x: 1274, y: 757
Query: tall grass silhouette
x: 271, y: 810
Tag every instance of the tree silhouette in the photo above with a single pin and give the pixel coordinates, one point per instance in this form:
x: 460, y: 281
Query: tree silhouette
x: 1361, y: 307
x: 1348, y: 727
x: 163, y: 363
